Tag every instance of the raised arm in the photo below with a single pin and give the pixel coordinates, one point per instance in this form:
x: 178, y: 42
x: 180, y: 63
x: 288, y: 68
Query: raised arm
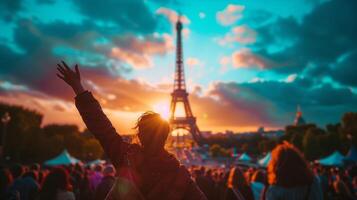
x: 93, y: 116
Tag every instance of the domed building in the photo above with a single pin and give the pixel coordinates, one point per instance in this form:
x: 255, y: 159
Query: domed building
x: 299, y: 120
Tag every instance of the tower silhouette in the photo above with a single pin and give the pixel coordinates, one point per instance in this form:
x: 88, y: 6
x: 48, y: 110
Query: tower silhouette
x: 180, y: 95
x: 299, y: 120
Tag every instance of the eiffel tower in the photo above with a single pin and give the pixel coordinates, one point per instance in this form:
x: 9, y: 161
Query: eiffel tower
x: 180, y: 95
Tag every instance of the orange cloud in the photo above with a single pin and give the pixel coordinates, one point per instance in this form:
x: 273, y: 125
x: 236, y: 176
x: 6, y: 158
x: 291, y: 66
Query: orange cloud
x: 172, y: 15
x: 134, y: 59
x: 193, y: 62
x: 241, y: 34
x: 230, y: 14
x: 245, y: 58
x: 124, y: 100
x: 137, y: 52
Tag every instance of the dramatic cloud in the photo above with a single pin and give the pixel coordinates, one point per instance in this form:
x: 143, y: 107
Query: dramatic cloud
x: 122, y: 13
x: 231, y: 14
x: 172, y: 15
x: 317, y: 42
x: 8, y: 9
x: 240, y: 34
x: 125, y: 51
x: 137, y: 52
x: 345, y: 71
x: 274, y: 103
x: 245, y: 58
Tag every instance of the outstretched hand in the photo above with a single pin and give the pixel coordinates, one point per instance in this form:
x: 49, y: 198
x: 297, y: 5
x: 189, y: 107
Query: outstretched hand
x: 71, y: 77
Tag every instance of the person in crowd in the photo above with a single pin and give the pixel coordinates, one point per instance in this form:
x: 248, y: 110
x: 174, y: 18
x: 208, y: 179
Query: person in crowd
x: 17, y: 171
x: 24, y: 186
x: 86, y: 192
x: 76, y: 180
x: 258, y: 183
x: 222, y: 184
x: 205, y: 183
x: 5, y: 182
x: 354, y: 184
x: 322, y: 176
x: 290, y: 176
x: 342, y: 191
x: 56, y: 186
x: 106, y: 184
x: 237, y: 186
x: 96, y: 177
x: 148, y: 170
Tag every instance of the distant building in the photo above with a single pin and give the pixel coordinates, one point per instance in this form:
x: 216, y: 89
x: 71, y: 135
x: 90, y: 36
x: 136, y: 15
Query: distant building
x: 299, y: 120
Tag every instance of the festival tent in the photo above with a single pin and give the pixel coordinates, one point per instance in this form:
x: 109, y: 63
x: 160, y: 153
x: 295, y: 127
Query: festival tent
x: 62, y: 159
x: 245, y: 158
x: 352, y: 154
x: 265, y: 161
x: 96, y: 162
x: 335, y: 159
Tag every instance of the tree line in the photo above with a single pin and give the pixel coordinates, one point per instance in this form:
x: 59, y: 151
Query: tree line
x: 315, y: 142
x: 26, y: 141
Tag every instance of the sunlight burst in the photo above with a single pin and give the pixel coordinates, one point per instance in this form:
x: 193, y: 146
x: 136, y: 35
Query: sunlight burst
x: 163, y: 109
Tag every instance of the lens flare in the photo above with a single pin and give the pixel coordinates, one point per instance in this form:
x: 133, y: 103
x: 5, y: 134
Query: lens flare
x: 162, y: 108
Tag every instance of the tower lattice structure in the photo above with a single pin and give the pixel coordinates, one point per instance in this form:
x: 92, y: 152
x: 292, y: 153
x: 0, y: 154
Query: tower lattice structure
x: 180, y: 95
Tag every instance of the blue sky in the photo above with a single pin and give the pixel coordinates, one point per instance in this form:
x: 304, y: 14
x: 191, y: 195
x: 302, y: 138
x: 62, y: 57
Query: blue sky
x: 252, y: 60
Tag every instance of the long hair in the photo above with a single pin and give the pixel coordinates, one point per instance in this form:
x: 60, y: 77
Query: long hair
x: 259, y: 176
x: 57, y: 179
x: 288, y: 167
x: 236, y: 178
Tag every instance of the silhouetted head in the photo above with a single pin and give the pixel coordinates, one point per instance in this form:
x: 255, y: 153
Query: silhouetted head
x: 236, y: 178
x: 35, y: 167
x: 57, y: 179
x: 17, y: 170
x: 30, y: 174
x: 98, y: 168
x: 152, y: 131
x: 288, y: 167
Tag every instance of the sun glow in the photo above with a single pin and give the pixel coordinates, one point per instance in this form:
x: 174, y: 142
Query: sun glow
x: 163, y: 109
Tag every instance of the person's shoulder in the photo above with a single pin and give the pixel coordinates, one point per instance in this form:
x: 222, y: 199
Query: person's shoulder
x: 65, y: 195
x: 257, y: 185
x: 273, y: 191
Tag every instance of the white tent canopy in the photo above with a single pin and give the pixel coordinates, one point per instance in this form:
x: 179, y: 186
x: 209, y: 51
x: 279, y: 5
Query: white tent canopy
x: 265, y: 160
x: 96, y: 162
x: 335, y: 159
x: 62, y: 159
x: 245, y: 158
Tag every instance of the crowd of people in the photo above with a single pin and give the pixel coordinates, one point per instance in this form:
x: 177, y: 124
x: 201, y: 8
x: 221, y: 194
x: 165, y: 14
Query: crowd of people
x: 288, y: 176
x: 148, y: 171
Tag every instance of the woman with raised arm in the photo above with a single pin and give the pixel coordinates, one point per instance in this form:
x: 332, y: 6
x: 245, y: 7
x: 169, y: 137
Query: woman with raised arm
x: 145, y: 171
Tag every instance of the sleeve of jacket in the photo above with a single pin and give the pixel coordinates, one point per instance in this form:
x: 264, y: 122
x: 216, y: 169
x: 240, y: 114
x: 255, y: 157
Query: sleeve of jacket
x: 100, y: 126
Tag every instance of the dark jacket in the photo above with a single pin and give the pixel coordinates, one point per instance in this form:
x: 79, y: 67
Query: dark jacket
x: 246, y: 192
x: 157, y: 176
x: 24, y: 188
x: 104, y: 187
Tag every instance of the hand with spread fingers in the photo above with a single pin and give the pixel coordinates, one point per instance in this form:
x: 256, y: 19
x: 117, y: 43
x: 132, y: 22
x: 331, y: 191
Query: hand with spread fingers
x: 71, y: 77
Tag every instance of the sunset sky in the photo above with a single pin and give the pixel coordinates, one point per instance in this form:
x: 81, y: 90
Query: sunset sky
x: 248, y: 63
